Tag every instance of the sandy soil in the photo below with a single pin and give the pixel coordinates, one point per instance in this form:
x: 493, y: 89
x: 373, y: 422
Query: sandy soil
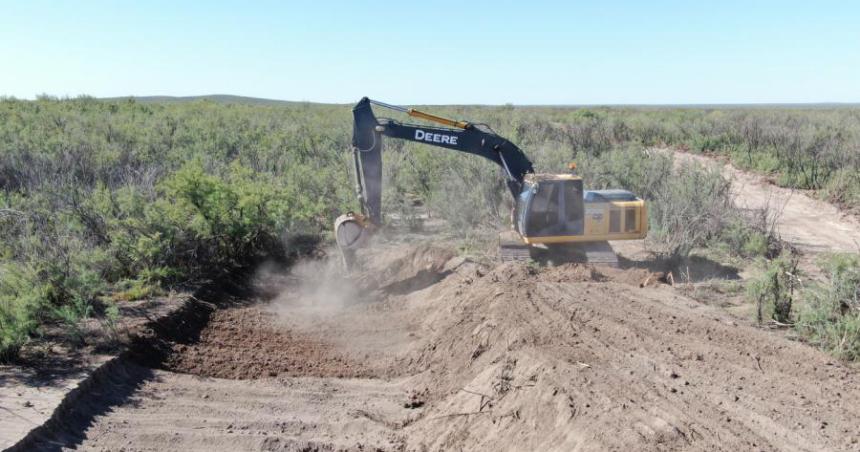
x: 162, y: 410
x: 246, y: 343
x: 29, y: 395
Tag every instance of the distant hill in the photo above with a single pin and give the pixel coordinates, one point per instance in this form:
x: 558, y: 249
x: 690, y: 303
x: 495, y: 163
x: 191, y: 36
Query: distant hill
x: 220, y: 98
x: 231, y: 99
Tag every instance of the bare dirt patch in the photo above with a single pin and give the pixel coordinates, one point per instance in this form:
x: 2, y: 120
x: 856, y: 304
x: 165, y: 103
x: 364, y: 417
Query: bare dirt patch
x: 247, y: 343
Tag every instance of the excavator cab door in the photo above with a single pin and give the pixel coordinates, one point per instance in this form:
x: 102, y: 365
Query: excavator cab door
x: 551, y: 208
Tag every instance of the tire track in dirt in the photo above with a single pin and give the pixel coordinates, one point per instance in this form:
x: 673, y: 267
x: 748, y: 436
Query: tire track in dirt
x: 692, y: 378
x: 270, y: 414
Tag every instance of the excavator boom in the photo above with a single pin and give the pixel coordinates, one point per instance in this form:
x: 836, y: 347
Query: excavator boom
x: 476, y: 139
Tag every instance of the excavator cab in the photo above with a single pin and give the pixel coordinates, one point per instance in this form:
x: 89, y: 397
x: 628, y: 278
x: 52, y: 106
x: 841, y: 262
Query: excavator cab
x: 555, y: 217
x: 550, y: 206
x: 554, y: 208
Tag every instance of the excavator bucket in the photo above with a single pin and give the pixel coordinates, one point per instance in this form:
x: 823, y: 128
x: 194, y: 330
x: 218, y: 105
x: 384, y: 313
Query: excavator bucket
x: 351, y: 233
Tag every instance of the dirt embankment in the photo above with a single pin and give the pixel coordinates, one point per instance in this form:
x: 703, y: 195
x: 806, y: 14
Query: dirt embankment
x: 475, y: 358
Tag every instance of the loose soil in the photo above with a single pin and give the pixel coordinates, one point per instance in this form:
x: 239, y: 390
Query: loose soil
x: 246, y: 343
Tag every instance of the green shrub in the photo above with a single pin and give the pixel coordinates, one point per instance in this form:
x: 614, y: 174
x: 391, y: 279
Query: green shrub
x: 707, y: 144
x: 744, y: 240
x: 119, y: 197
x: 843, y: 188
x: 762, y: 161
x: 773, y: 290
x: 70, y: 315
x: 21, y: 296
x: 831, y: 315
x: 203, y: 220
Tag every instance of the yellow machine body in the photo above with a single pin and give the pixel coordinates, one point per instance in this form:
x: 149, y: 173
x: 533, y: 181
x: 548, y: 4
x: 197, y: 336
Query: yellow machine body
x: 618, y: 220
x: 554, y: 209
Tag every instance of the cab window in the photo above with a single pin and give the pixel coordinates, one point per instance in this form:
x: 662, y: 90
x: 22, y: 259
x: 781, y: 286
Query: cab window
x: 543, y: 216
x: 523, y: 206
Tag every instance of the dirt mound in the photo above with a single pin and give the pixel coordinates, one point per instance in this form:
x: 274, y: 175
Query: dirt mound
x: 571, y: 273
x: 247, y: 343
x: 566, y: 358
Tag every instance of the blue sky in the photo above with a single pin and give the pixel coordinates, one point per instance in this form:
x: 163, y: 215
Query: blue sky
x: 437, y: 52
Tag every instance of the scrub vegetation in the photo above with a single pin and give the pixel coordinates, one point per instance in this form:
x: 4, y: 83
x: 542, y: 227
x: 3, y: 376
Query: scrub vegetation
x: 107, y: 200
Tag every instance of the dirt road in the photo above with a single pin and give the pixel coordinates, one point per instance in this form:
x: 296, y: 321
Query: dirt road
x: 810, y: 224
x: 441, y: 354
x: 157, y: 410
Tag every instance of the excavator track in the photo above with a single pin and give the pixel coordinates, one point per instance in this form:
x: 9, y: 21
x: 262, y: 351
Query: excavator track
x: 514, y: 253
x: 512, y: 248
x: 599, y: 253
x: 594, y: 253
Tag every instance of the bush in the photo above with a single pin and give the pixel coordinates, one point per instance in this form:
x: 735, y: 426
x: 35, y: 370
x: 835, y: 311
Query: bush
x: 690, y: 209
x: 21, y: 296
x: 843, y: 188
x: 830, y: 317
x: 773, y: 290
x: 745, y: 240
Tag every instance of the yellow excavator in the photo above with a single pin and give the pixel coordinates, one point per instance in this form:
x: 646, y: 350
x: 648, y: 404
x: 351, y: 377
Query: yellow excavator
x: 553, y: 216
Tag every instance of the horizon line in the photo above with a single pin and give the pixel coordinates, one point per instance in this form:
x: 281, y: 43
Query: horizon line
x: 156, y: 98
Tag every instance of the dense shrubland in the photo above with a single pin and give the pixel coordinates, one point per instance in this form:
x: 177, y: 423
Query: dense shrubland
x: 111, y: 200
x: 108, y: 200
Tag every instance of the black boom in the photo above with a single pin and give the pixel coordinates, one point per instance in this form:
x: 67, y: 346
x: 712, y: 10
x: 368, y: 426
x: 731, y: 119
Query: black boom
x: 367, y: 135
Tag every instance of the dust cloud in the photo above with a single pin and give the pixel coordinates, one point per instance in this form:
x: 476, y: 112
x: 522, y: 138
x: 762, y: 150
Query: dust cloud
x: 313, y: 287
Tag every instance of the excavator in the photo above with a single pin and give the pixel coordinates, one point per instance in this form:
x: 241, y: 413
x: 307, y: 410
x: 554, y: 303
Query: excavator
x: 553, y: 217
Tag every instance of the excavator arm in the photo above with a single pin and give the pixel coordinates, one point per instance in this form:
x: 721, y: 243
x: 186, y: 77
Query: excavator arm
x: 462, y: 136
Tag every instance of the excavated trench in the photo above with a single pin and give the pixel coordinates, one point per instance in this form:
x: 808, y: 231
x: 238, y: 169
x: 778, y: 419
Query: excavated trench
x: 246, y: 328
x: 245, y: 343
x: 237, y: 337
